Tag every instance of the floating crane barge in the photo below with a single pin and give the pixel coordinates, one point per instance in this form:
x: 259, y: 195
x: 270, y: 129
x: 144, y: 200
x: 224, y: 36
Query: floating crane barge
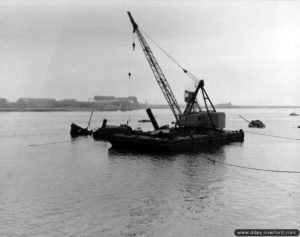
x: 193, y: 128
x: 173, y: 142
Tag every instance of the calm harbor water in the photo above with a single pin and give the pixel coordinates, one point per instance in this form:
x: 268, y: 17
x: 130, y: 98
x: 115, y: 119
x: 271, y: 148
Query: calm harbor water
x: 81, y: 187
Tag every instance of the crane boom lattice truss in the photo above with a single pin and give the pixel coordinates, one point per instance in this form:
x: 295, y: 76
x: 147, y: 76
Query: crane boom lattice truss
x: 158, y: 74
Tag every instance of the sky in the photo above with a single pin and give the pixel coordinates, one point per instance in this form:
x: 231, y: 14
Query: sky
x: 247, y: 52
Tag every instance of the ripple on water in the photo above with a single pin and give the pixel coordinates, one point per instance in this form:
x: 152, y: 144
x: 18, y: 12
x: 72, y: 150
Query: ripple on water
x: 82, y: 188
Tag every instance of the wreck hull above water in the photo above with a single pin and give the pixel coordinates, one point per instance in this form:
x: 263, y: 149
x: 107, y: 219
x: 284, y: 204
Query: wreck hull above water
x: 77, y: 131
x: 104, y: 132
x: 180, y: 143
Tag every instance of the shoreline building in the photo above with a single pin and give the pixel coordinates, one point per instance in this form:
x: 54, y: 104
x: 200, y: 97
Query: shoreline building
x: 116, y: 100
x: 3, y: 102
x: 36, y: 102
x: 104, y: 99
x: 112, y: 102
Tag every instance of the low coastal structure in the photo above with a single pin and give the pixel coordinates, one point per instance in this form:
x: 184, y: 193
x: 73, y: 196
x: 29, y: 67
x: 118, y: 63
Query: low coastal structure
x: 3, y: 102
x: 99, y: 103
x: 36, y: 102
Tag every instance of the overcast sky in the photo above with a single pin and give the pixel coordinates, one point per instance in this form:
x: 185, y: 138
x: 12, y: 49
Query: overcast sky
x: 248, y: 52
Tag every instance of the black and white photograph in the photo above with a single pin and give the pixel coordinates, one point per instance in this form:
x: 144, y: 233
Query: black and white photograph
x: 148, y: 118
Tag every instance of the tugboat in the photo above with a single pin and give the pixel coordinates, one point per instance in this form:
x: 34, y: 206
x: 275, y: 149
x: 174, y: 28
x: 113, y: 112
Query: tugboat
x: 293, y: 114
x: 193, y: 128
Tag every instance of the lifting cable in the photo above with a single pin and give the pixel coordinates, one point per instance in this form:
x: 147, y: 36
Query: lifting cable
x: 249, y: 168
x: 190, y: 75
x: 129, y: 91
x: 269, y: 135
x: 129, y: 77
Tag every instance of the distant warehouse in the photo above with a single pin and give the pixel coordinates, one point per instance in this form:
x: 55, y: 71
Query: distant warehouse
x: 36, y: 102
x: 130, y: 99
x: 104, y: 99
x: 3, y: 102
x: 113, y: 99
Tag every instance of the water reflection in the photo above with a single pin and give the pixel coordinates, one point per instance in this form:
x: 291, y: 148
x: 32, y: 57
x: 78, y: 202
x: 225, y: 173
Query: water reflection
x: 84, y: 188
x: 184, y: 185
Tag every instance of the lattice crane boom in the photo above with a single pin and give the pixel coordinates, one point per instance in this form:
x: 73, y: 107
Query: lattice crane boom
x: 158, y: 74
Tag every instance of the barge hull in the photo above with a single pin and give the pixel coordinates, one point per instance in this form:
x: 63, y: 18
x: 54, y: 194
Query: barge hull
x: 176, y: 144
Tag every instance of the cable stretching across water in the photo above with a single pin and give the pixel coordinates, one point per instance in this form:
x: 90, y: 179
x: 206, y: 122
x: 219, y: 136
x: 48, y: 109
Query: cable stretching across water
x: 30, y: 135
x: 49, y: 143
x: 250, y: 168
x: 268, y: 135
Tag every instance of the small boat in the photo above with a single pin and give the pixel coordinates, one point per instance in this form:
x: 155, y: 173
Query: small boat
x: 77, y: 131
x: 256, y: 124
x: 293, y: 114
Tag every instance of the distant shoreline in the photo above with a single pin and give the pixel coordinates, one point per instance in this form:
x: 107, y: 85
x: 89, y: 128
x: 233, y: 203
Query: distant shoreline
x: 149, y: 106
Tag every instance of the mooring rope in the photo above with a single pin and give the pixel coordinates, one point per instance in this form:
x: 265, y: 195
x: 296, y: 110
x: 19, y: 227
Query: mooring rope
x: 30, y: 135
x: 49, y: 143
x: 269, y: 135
x: 248, y: 167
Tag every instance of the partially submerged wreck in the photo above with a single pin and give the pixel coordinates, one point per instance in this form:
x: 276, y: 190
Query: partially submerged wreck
x: 254, y: 123
x: 107, y: 130
x: 77, y: 131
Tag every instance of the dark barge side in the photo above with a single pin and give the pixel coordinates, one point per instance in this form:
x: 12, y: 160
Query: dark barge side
x: 172, y: 141
x: 178, y: 139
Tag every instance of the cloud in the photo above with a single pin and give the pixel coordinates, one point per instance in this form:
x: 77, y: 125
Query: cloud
x: 78, y: 49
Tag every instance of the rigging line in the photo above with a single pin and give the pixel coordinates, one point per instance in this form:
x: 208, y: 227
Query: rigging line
x: 130, y: 59
x: 129, y: 91
x: 193, y: 77
x: 91, y: 115
x: 244, y: 119
x: 269, y: 135
x: 250, y: 168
